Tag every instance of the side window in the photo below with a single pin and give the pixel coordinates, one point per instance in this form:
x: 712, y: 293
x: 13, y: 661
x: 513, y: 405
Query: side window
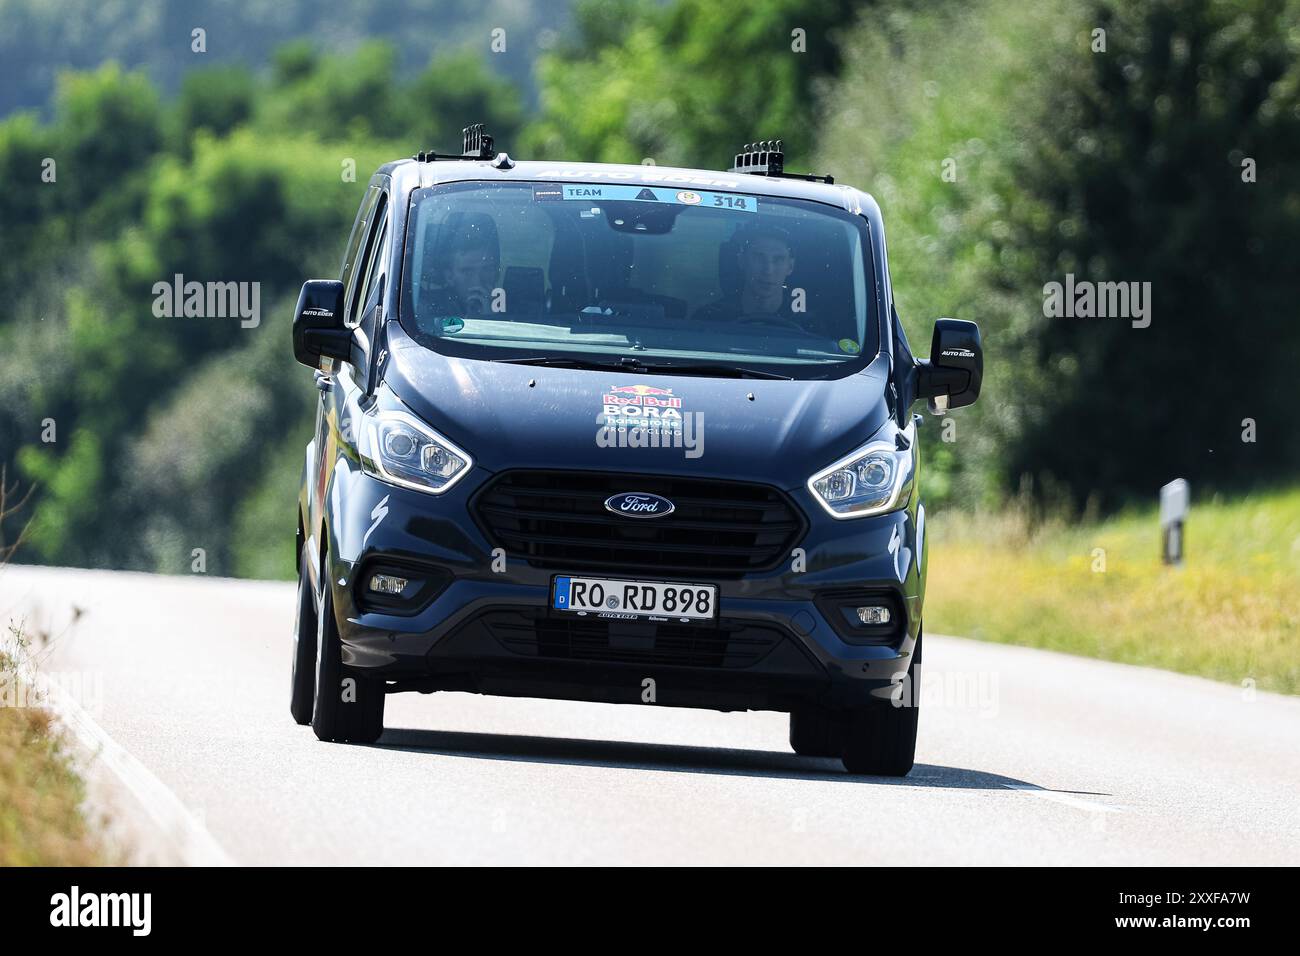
x: 376, y: 269
x: 365, y: 261
x: 360, y: 231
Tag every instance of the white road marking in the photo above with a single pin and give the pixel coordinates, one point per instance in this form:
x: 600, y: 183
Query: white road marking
x: 1067, y: 799
x: 194, y: 845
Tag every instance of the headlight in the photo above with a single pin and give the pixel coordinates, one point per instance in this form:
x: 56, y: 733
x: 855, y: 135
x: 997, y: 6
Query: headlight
x: 872, y: 480
x: 400, y: 448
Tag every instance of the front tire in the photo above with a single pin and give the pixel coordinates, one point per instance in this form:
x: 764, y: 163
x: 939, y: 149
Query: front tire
x: 880, y: 740
x: 303, y: 678
x: 815, y: 732
x: 349, y: 707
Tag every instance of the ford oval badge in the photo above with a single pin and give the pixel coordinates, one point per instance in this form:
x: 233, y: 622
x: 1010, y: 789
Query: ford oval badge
x: 639, y: 504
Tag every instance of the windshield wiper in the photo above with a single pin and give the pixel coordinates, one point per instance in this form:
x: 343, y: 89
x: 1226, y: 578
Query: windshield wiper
x: 629, y: 364
x: 570, y: 363
x: 705, y: 368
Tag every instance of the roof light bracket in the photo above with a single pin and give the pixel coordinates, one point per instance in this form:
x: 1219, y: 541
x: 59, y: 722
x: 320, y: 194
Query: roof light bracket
x: 476, y: 144
x: 767, y: 158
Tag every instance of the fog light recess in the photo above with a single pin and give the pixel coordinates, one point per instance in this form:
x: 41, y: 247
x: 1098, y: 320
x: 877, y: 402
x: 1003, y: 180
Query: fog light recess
x: 399, y: 587
x: 874, y: 614
x: 389, y: 584
x: 864, y: 615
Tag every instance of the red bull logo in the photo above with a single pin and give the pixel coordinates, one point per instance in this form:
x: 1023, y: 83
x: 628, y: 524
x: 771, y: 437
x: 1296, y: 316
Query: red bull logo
x: 635, y: 397
x: 638, y: 390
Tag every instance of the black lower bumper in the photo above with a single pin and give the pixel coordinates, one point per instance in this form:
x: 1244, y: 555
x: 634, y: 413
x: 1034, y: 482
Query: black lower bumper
x: 780, y: 641
x: 524, y: 652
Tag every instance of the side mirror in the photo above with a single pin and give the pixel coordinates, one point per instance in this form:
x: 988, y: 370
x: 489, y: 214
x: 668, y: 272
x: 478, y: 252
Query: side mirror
x: 951, y: 378
x: 318, y: 329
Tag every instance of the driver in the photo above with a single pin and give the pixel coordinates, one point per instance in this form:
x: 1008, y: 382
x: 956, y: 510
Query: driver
x: 766, y: 260
x: 461, y: 273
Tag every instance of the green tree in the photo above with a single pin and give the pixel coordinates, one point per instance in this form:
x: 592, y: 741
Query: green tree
x: 109, y: 126
x: 217, y: 99
x: 1173, y: 157
x: 336, y: 97
x: 688, y: 82
x: 455, y: 90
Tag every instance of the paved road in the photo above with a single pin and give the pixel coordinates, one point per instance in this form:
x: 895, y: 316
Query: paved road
x: 1024, y: 756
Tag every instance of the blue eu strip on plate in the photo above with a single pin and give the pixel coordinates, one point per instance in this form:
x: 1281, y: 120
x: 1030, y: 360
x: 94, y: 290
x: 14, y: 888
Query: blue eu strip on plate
x: 561, y: 600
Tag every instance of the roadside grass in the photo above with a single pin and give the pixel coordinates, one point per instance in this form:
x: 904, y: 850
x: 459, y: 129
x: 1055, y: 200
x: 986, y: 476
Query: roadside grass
x: 42, y: 820
x: 1231, y: 613
x: 42, y: 797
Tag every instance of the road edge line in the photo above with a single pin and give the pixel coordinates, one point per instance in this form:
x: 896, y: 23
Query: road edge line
x: 1064, y: 799
x: 194, y: 844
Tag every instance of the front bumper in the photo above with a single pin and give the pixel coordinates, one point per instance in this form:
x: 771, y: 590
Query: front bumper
x: 474, y: 634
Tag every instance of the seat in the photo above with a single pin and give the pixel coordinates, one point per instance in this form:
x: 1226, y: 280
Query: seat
x: 525, y: 289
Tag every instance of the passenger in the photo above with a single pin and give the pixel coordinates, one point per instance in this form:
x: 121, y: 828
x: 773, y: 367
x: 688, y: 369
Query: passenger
x: 464, y: 270
x: 766, y: 261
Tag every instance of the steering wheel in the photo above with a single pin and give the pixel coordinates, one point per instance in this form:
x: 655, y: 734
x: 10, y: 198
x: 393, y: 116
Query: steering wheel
x: 780, y: 321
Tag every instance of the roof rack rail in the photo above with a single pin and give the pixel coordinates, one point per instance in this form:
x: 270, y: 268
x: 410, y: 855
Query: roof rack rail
x: 767, y: 158
x: 477, y: 144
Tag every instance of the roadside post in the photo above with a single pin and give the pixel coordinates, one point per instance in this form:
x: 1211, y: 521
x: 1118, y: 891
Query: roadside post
x: 1174, y: 500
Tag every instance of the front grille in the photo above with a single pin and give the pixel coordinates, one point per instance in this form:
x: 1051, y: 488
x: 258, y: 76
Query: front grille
x: 557, y: 519
x: 728, y: 645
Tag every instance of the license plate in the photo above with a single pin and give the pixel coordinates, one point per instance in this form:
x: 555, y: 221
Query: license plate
x: 631, y: 600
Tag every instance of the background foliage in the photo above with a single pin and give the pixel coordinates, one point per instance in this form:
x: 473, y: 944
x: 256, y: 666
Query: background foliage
x: 1123, y: 164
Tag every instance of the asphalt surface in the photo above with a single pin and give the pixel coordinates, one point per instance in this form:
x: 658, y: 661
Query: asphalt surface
x: 1024, y: 756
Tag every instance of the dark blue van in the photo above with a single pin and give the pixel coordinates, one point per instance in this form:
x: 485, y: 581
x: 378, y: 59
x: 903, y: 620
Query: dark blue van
x: 630, y: 434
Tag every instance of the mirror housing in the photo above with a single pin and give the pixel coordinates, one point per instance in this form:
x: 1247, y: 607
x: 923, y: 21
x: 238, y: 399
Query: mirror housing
x: 951, y: 378
x: 318, y: 329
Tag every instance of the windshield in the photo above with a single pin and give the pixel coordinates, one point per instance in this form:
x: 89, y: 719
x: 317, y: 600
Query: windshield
x: 648, y: 277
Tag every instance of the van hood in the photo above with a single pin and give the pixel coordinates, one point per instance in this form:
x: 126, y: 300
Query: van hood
x: 520, y: 416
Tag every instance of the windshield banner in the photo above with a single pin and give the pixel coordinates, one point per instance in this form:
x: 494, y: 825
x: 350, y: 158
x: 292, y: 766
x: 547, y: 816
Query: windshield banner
x: 595, y: 192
